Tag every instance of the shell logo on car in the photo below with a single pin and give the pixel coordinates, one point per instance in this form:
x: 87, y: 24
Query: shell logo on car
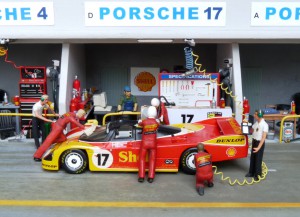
x: 231, y: 152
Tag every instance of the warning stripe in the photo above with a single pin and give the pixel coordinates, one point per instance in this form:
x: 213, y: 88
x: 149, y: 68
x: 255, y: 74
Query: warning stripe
x: 47, y: 203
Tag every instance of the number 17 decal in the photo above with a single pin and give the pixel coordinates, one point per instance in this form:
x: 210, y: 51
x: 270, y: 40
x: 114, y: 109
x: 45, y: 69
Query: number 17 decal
x: 187, y: 118
x: 102, y: 158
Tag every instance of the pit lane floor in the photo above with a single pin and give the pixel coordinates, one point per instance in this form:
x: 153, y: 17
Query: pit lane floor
x: 27, y: 190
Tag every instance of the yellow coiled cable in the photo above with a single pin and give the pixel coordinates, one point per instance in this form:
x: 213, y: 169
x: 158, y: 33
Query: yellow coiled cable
x: 245, y: 181
x: 198, y: 67
x: 239, y: 103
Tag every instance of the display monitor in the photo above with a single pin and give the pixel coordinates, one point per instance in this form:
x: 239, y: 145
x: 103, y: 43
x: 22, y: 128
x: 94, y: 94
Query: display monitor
x: 100, y: 99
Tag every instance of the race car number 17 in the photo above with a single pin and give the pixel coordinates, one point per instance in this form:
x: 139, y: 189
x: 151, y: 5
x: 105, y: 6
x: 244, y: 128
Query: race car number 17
x: 102, y: 158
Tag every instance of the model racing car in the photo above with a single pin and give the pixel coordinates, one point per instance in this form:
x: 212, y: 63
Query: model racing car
x: 115, y: 146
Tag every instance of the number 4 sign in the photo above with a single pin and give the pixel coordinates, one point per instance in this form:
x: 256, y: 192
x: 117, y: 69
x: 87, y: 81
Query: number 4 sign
x: 26, y: 13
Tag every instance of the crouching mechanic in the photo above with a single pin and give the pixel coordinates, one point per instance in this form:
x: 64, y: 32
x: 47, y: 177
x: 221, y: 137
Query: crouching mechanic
x: 204, y: 172
x: 150, y: 126
x: 56, y: 135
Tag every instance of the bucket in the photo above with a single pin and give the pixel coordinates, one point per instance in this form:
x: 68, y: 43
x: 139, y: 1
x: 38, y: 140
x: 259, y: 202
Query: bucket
x: 288, y: 131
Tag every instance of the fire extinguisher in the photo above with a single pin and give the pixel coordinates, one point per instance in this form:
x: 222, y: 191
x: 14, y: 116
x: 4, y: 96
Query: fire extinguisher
x: 246, y: 109
x: 76, y: 88
x: 74, y: 104
x: 293, y: 108
x: 222, y: 103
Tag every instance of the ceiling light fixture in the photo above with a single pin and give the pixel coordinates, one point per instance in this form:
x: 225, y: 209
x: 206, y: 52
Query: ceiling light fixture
x: 155, y: 40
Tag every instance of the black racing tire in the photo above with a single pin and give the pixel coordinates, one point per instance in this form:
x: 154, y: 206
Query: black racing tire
x: 74, y: 161
x: 187, y: 163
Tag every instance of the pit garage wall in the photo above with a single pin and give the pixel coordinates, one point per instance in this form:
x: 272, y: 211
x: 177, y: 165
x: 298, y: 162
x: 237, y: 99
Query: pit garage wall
x: 231, y: 51
x: 72, y: 63
x: 26, y: 55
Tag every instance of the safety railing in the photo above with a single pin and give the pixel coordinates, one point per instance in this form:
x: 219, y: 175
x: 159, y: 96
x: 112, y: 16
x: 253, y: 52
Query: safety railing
x: 118, y: 114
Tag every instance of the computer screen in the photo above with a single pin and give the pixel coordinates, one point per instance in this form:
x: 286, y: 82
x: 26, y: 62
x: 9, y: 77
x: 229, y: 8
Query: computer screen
x: 100, y: 99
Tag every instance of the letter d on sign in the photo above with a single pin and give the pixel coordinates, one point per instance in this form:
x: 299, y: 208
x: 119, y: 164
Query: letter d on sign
x: 90, y: 15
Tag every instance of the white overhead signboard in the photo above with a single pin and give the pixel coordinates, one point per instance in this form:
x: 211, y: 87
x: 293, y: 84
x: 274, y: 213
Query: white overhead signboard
x: 275, y: 14
x: 164, y: 13
x: 26, y: 13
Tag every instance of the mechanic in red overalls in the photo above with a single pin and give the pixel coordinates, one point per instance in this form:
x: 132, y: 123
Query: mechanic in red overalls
x: 162, y: 113
x: 204, y: 172
x: 56, y: 135
x: 150, y: 126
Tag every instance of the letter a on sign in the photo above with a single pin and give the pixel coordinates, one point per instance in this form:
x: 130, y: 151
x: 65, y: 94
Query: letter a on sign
x: 256, y: 15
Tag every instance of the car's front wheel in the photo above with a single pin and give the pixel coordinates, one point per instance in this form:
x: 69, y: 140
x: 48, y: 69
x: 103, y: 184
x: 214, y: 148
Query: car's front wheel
x: 187, y: 162
x: 74, y: 161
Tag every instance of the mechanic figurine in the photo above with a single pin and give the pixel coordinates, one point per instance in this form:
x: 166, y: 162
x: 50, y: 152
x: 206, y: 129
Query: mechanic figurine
x: 260, y: 131
x: 56, y: 135
x: 150, y: 126
x: 38, y: 120
x: 162, y: 113
x: 128, y: 101
x: 204, y: 170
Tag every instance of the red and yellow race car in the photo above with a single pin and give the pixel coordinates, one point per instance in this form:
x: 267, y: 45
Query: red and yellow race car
x: 115, y: 147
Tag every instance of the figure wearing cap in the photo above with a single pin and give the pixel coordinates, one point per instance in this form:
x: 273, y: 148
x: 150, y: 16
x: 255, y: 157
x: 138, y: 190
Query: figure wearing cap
x: 56, y: 135
x: 204, y: 172
x: 260, y: 131
x: 38, y: 120
x: 127, y: 101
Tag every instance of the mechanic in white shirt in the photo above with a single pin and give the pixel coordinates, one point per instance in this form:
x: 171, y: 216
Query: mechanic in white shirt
x: 38, y: 120
x: 260, y: 131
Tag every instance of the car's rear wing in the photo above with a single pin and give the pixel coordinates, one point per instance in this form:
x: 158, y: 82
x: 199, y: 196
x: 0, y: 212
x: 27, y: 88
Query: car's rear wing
x: 229, y: 126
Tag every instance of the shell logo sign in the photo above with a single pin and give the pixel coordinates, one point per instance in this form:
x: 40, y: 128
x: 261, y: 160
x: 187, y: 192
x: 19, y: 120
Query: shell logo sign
x: 231, y: 152
x: 145, y: 81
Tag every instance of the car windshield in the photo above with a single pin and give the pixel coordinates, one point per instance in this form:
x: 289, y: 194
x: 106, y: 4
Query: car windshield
x: 124, y: 130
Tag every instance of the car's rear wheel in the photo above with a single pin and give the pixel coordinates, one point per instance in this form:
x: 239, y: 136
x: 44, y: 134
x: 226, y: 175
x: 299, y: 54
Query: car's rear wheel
x: 187, y: 162
x: 74, y: 161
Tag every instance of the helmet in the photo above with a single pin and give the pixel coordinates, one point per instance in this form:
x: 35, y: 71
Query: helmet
x: 152, y: 112
x: 127, y: 88
x: 155, y: 102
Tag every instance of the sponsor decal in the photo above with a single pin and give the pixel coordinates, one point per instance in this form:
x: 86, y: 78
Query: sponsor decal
x: 214, y: 114
x: 169, y: 161
x: 231, y: 152
x: 235, y: 126
x: 129, y: 157
x: 49, y: 166
x: 228, y: 140
x: 203, y: 161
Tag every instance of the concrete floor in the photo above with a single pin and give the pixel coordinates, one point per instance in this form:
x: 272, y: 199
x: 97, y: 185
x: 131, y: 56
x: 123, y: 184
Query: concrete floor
x: 27, y: 190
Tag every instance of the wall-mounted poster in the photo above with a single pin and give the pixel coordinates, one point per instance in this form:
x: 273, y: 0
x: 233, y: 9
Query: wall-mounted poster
x: 144, y: 81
